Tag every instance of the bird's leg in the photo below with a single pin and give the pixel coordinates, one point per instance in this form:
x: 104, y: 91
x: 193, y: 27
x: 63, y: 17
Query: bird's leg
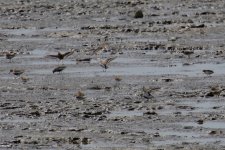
x: 102, y: 56
x: 116, y: 85
x: 189, y: 56
x: 61, y: 76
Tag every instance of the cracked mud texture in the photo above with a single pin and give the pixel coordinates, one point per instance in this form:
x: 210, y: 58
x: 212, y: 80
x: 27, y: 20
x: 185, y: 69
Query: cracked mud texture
x: 160, y: 99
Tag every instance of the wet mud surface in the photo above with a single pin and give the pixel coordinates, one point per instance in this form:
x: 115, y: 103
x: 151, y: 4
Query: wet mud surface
x: 152, y: 96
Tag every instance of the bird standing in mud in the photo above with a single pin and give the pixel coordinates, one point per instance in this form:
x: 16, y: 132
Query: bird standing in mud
x: 9, y: 55
x: 79, y: 95
x: 61, y: 56
x: 117, y: 79
x: 188, y: 53
x: 100, y: 49
x: 58, y: 69
x: 105, y: 62
x: 16, y: 72
x: 24, y: 79
x: 216, y: 90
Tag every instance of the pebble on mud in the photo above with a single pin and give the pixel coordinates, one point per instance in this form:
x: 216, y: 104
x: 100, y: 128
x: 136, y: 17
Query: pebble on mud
x: 139, y: 14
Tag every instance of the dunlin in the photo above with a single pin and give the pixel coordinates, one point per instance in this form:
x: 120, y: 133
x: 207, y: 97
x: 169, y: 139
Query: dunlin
x: 208, y: 72
x: 9, y: 55
x: 59, y: 69
x: 188, y: 53
x: 105, y: 62
x: 16, y: 72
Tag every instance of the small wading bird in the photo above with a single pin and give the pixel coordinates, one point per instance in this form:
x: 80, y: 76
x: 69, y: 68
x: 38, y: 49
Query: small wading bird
x: 16, y: 72
x: 208, y: 72
x: 24, y: 79
x: 61, y: 56
x: 117, y: 79
x: 100, y: 49
x: 79, y: 95
x: 216, y: 90
x: 188, y: 53
x: 9, y: 55
x: 105, y: 62
x: 58, y: 69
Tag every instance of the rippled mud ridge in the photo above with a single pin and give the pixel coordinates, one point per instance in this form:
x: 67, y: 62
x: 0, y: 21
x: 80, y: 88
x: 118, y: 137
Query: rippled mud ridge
x: 128, y: 74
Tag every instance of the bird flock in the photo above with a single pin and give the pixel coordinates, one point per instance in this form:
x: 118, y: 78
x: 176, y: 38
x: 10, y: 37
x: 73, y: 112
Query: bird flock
x: 104, y: 62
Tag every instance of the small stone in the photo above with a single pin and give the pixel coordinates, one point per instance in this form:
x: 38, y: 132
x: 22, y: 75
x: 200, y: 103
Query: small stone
x: 213, y: 132
x: 85, y: 141
x: 200, y: 121
x: 139, y: 14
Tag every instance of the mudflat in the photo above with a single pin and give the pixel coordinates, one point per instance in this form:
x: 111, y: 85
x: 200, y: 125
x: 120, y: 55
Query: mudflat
x: 154, y: 93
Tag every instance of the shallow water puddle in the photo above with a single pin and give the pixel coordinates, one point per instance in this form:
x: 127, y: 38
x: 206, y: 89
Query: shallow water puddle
x: 55, y: 62
x: 201, y: 141
x: 30, y: 31
x: 175, y: 111
x: 22, y: 120
x: 179, y: 134
x: 122, y: 60
x: 206, y: 124
x: 33, y: 31
x: 44, y: 40
x: 204, y: 105
x: 192, y: 70
x: 39, y: 52
x: 125, y: 113
x: 110, y: 145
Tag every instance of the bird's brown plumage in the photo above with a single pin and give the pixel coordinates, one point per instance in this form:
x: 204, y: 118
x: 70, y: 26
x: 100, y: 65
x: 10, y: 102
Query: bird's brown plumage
x: 9, y: 55
x: 105, y: 62
x: 61, y: 56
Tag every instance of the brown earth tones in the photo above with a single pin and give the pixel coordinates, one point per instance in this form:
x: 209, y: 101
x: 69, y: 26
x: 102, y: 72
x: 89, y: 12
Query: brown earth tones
x: 163, y: 99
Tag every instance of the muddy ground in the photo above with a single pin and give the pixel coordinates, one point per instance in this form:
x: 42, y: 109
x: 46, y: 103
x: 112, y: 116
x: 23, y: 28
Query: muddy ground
x: 177, y: 109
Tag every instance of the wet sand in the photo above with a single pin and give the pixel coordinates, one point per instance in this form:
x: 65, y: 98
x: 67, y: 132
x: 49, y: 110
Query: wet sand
x: 179, y: 110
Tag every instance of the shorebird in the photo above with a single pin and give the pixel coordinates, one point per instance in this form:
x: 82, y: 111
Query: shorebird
x: 105, y: 62
x: 117, y: 79
x: 58, y: 69
x: 61, y: 56
x: 24, y: 79
x: 9, y: 55
x: 188, y: 53
x: 103, y: 47
x: 146, y: 93
x: 79, y: 95
x: 208, y: 72
x: 216, y: 90
x: 16, y: 72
